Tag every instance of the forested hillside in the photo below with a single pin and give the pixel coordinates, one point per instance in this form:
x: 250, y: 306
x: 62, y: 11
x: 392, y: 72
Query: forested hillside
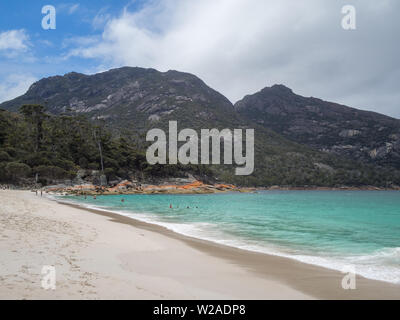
x: 43, y: 148
x: 36, y: 147
x: 98, y: 123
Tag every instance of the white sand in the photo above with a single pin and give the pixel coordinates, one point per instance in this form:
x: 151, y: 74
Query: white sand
x: 96, y: 258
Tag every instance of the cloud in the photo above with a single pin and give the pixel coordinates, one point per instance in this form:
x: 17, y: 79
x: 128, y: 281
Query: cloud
x: 15, y: 85
x: 239, y: 47
x: 13, y: 42
x: 68, y: 8
x: 73, y: 8
x: 101, y: 18
x: 80, y: 41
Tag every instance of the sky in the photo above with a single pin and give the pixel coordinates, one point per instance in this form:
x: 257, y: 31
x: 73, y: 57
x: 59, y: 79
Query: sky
x: 237, y: 47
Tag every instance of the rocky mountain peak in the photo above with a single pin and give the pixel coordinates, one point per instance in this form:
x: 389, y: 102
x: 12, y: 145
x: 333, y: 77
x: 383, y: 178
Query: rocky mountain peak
x: 326, y: 126
x: 125, y: 94
x: 280, y: 88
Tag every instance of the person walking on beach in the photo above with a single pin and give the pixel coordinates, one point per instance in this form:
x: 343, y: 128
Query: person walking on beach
x: 41, y: 193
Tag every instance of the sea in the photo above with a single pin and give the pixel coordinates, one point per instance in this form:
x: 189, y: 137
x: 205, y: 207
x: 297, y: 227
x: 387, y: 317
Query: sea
x: 340, y: 230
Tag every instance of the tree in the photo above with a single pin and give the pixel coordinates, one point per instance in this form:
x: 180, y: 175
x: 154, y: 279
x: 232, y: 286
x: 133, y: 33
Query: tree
x: 97, y: 135
x: 15, y: 170
x: 35, y: 114
x: 4, y: 125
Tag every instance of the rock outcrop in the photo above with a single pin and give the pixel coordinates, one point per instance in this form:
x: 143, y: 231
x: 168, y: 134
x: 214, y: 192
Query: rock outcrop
x: 129, y: 187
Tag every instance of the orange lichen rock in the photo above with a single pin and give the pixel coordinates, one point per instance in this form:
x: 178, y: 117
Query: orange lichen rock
x: 127, y: 187
x: 225, y: 186
x: 193, y: 185
x: 121, y: 186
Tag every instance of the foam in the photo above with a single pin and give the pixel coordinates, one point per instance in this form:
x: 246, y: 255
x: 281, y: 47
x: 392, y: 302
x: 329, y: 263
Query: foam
x: 369, y: 266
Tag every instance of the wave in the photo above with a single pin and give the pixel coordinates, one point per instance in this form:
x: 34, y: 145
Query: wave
x: 382, y: 265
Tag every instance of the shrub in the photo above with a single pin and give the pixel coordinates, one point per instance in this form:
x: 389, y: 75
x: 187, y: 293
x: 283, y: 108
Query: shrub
x: 51, y: 172
x: 83, y: 163
x: 37, y: 159
x: 11, y: 151
x: 93, y: 166
x: 4, y: 156
x: 110, y: 173
x: 15, y: 170
x: 3, y: 175
x: 65, y: 164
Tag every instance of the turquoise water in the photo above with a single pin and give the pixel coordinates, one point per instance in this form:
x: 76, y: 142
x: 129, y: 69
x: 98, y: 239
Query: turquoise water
x: 334, y: 229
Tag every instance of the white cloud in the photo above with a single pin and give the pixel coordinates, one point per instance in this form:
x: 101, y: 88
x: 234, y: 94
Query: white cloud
x: 67, y: 8
x: 241, y: 46
x: 14, y: 41
x: 80, y: 41
x: 73, y: 8
x: 45, y: 43
x: 15, y: 85
x: 101, y: 18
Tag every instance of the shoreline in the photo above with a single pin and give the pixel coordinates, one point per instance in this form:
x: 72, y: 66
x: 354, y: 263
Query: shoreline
x: 212, y: 241
x: 91, y: 190
x: 103, y: 255
x: 96, y: 259
x: 255, y: 261
x: 180, y: 191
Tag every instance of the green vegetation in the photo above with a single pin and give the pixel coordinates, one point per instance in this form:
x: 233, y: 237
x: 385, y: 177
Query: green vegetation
x: 37, y: 147
x: 289, y: 132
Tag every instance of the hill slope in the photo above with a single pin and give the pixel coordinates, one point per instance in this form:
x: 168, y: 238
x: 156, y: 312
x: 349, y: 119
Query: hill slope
x: 133, y: 100
x: 361, y: 135
x: 124, y: 95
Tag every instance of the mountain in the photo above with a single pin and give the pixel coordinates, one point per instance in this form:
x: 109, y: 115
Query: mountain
x: 133, y: 100
x: 326, y: 126
x: 127, y: 96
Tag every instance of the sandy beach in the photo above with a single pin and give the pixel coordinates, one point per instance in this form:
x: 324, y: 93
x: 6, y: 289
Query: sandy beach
x: 99, y: 255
